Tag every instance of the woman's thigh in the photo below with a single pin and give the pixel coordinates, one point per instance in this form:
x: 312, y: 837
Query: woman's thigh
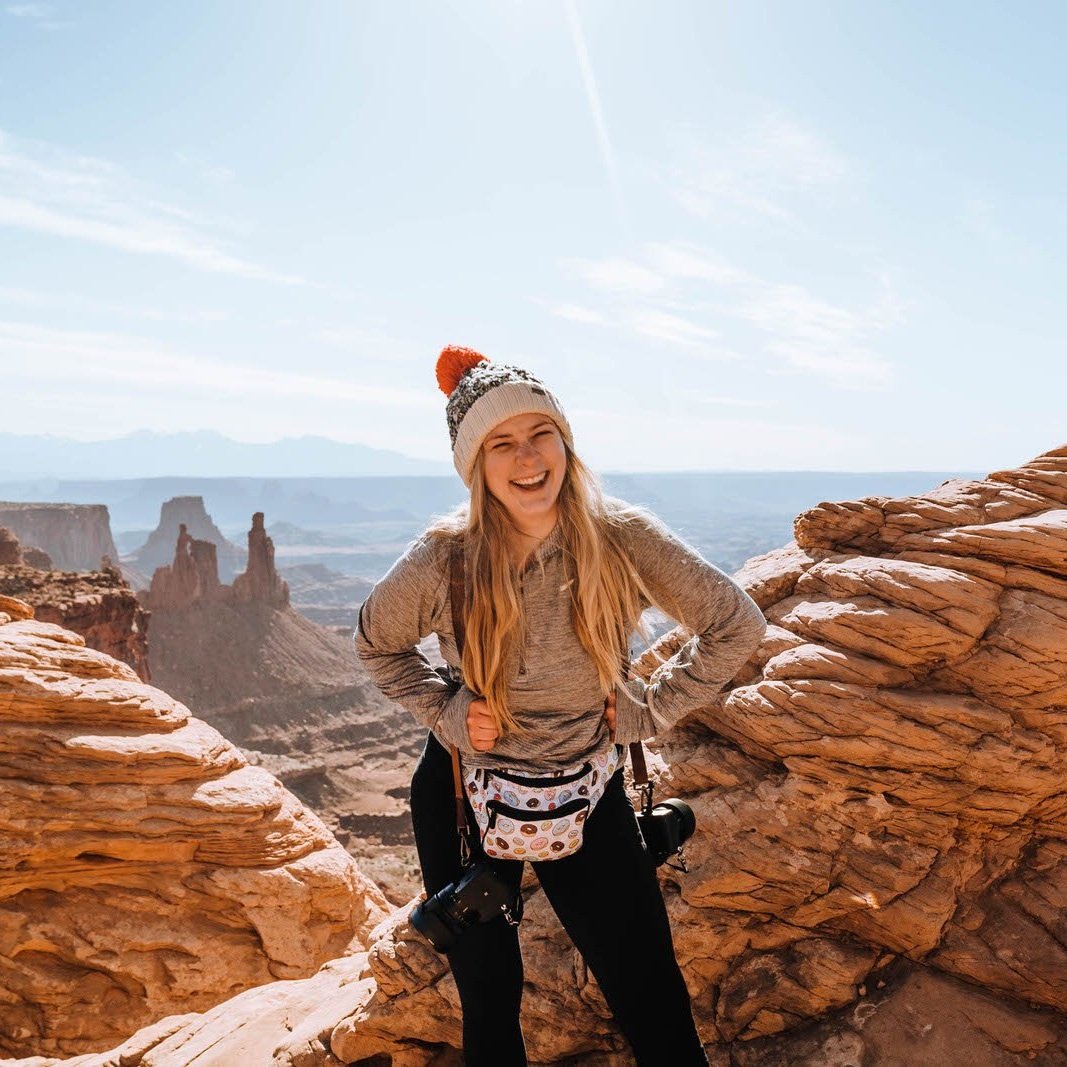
x: 607, y: 894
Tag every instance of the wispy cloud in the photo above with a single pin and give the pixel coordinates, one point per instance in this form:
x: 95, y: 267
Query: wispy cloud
x: 39, y: 14
x: 45, y: 189
x: 664, y: 326
x: 694, y: 298
x: 756, y: 171
x: 576, y: 313
x: 211, y: 171
x: 614, y: 275
x: 31, y: 351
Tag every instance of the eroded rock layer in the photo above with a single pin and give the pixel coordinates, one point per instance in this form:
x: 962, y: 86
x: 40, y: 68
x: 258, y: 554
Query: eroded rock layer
x: 99, y: 605
x: 145, y: 867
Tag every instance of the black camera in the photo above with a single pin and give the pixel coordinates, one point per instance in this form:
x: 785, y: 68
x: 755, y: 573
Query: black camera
x: 479, y: 895
x: 666, y: 827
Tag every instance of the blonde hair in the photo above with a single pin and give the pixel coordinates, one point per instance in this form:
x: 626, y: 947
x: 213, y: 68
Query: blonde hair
x: 606, y: 591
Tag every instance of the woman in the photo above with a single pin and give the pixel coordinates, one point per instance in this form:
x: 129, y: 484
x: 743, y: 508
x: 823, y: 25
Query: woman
x: 556, y: 577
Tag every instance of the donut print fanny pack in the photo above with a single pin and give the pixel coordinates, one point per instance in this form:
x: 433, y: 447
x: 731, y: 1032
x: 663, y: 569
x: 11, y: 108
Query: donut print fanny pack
x: 522, y: 817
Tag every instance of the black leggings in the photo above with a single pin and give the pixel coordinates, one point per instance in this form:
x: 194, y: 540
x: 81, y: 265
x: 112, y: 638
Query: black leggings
x: 608, y: 899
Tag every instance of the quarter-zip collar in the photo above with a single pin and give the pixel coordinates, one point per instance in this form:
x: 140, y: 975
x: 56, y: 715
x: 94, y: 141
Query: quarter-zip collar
x: 550, y: 544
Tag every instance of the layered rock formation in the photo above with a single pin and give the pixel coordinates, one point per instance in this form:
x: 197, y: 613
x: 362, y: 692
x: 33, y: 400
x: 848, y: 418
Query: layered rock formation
x: 879, y: 872
x: 145, y: 867
x: 292, y: 694
x: 76, y: 537
x: 98, y: 605
x: 188, y: 512
x: 192, y: 577
x: 260, y: 582
x: 10, y: 549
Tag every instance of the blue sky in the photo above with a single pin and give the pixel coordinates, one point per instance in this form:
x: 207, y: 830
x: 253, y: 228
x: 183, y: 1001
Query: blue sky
x: 759, y: 235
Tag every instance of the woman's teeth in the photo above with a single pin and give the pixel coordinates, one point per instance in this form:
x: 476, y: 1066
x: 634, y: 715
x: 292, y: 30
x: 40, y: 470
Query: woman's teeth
x: 531, y: 483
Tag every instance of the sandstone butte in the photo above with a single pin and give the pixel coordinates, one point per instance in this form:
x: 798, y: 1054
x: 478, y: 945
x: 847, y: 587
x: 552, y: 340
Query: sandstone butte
x: 878, y: 877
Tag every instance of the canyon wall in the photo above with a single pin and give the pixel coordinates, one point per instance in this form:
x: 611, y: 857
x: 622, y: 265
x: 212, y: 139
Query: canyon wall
x: 76, y: 537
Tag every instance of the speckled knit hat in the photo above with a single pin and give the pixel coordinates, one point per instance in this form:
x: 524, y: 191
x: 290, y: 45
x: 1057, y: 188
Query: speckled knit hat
x: 482, y: 394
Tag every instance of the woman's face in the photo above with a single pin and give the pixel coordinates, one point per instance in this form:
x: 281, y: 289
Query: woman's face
x: 525, y: 461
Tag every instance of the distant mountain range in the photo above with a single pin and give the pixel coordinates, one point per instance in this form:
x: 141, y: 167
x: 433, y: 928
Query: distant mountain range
x: 205, y: 453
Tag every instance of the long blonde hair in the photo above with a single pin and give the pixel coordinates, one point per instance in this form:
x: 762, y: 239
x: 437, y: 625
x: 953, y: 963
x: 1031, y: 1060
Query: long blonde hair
x: 606, y: 591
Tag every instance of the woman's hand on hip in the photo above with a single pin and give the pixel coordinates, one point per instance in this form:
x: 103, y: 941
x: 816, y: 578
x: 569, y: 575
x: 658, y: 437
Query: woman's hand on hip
x: 481, y: 728
x: 609, y: 713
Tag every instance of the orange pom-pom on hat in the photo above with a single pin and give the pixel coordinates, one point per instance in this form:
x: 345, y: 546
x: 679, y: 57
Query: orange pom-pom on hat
x: 453, y: 362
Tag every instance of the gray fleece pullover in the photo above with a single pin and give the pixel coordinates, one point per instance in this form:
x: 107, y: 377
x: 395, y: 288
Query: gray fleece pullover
x: 555, y: 692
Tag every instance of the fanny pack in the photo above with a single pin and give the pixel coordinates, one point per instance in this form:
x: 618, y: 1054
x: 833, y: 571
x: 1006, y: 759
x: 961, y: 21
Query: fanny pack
x: 537, y: 818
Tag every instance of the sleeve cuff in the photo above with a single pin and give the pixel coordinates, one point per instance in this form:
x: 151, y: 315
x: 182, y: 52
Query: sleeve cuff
x: 451, y: 725
x: 632, y: 713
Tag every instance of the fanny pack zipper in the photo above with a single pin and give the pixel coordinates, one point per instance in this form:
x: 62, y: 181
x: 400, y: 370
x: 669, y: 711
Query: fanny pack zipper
x: 496, y: 807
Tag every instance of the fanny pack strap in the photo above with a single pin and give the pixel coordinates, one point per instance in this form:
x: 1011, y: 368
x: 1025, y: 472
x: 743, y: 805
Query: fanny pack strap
x: 458, y: 601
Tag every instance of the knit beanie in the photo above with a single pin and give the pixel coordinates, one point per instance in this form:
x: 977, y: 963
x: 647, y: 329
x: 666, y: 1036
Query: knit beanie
x: 482, y: 394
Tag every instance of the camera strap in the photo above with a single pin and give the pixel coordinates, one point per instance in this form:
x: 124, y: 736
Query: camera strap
x: 644, y: 786
x: 457, y: 592
x: 457, y: 596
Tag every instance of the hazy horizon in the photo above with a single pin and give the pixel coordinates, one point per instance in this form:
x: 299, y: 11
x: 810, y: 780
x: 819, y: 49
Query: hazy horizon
x: 251, y: 452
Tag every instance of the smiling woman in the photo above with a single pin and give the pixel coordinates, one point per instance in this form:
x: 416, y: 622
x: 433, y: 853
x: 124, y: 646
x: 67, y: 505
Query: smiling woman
x: 534, y: 589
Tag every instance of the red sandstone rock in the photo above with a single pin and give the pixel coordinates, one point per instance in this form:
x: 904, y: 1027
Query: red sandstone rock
x: 260, y: 581
x: 145, y: 868
x: 10, y: 549
x: 192, y: 577
x: 98, y: 605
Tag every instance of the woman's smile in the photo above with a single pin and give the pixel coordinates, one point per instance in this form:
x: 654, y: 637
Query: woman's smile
x: 534, y: 482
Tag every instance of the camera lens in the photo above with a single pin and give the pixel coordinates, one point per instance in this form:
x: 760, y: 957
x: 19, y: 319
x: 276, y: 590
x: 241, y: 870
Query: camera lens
x: 426, y: 918
x: 687, y: 821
